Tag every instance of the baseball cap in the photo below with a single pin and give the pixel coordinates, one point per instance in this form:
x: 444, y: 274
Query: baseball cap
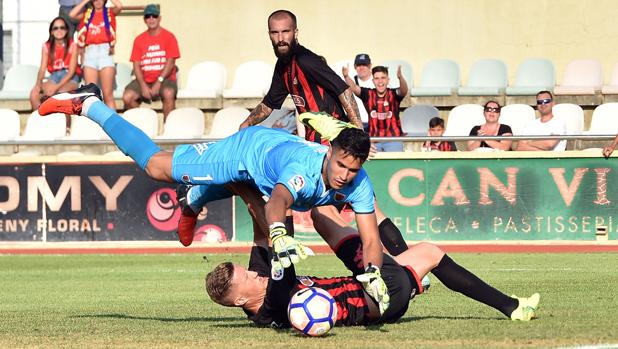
x: 151, y: 9
x: 362, y: 59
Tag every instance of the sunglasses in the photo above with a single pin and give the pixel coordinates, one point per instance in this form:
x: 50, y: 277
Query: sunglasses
x: 150, y: 16
x: 492, y: 109
x: 543, y: 101
x: 59, y: 28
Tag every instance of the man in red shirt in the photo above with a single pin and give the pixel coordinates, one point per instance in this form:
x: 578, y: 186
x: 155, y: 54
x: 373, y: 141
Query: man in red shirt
x: 154, y: 63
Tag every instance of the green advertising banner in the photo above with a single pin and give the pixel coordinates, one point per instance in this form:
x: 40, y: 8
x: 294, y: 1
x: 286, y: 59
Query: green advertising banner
x: 487, y: 199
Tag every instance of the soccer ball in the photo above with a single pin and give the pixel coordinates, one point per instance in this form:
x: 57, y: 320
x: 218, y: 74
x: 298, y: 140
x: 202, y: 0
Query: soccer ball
x: 312, y: 311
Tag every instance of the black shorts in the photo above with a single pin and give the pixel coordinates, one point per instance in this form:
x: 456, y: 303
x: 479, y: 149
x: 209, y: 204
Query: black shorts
x: 402, y: 282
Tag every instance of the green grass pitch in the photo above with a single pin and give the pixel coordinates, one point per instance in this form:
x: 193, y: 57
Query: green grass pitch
x: 158, y: 301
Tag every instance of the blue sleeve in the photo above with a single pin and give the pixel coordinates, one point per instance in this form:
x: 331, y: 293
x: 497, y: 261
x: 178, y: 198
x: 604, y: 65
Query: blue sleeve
x: 294, y: 178
x: 362, y: 197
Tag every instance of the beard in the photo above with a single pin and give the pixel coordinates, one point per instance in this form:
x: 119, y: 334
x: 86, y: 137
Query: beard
x: 290, y: 49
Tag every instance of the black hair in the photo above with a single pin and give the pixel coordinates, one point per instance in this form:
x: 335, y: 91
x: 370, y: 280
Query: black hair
x: 379, y: 69
x: 545, y: 91
x: 280, y: 13
x: 492, y: 101
x: 353, y: 141
x: 436, y: 121
x: 51, y: 40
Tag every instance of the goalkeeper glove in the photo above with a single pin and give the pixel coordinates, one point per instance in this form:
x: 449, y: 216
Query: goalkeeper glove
x: 286, y: 250
x: 374, y: 286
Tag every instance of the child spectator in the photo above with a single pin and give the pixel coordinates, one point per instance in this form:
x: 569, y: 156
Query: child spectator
x: 436, y: 129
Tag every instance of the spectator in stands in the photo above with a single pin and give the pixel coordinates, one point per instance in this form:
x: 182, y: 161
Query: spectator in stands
x: 154, y: 63
x: 65, y: 8
x: 547, y: 124
x: 436, y: 129
x: 59, y: 58
x: 97, y: 33
x: 364, y: 76
x: 491, y: 127
x: 382, y: 105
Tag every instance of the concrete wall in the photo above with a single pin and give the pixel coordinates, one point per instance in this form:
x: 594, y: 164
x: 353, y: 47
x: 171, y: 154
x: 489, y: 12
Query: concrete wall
x: 234, y: 31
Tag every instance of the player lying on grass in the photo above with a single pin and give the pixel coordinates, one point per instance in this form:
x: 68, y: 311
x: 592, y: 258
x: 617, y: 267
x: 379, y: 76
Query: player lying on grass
x: 292, y: 172
x: 265, y: 300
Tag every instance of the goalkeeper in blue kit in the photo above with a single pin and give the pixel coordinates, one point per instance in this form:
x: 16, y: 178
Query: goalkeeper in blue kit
x: 292, y: 172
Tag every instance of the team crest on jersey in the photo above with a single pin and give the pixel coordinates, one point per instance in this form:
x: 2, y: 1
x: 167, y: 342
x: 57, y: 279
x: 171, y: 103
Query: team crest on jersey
x: 339, y: 196
x: 305, y: 281
x: 297, y: 182
x: 298, y: 100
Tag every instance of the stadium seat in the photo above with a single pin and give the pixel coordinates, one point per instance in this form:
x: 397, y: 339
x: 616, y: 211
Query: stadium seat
x: 82, y: 128
x: 48, y: 128
x: 581, y: 77
x: 573, y: 116
x: 462, y: 118
x: 143, y: 118
x: 206, y: 80
x: 18, y: 81
x: 283, y: 118
x: 123, y: 78
x: 604, y: 120
x: 251, y: 80
x: 612, y: 88
x: 183, y: 123
x: 439, y: 78
x: 406, y: 70
x: 10, y: 125
x: 488, y: 77
x: 533, y: 75
x: 227, y: 121
x: 415, y: 119
x: 517, y: 116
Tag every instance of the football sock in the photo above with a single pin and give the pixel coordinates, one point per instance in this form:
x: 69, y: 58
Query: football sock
x: 391, y: 238
x: 458, y: 279
x: 130, y: 140
x: 350, y: 252
x: 289, y: 225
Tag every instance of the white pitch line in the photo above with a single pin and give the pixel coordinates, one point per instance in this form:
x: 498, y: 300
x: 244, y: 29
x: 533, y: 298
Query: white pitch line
x: 599, y: 346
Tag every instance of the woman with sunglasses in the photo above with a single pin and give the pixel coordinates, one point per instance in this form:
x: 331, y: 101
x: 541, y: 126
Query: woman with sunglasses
x: 97, y: 33
x: 59, y: 58
x: 491, y: 127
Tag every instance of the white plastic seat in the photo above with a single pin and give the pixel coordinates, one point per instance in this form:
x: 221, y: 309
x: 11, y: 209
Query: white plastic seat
x: 251, y: 79
x: 183, y: 123
x: 44, y: 128
x: 10, y: 125
x: 439, y: 78
x: 406, y: 70
x: 488, y: 77
x: 517, y: 116
x: 206, y: 80
x: 573, y: 116
x: 533, y: 75
x: 612, y: 88
x: 283, y: 118
x: 604, y: 120
x: 143, y: 118
x: 462, y: 118
x: 123, y: 78
x: 581, y: 77
x: 82, y: 128
x: 18, y: 81
x: 227, y: 121
x: 415, y: 119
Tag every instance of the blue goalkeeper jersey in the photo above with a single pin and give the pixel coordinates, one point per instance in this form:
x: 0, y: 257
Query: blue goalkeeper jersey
x: 267, y: 157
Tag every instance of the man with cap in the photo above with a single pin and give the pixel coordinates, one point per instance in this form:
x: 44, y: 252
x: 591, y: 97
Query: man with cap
x: 362, y: 65
x: 154, y: 57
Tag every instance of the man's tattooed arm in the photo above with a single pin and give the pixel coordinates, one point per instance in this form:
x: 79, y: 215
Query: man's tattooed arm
x: 258, y: 114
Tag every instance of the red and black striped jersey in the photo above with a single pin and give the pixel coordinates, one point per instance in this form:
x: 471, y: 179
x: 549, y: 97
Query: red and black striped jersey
x: 313, y: 85
x: 443, y: 146
x: 383, y: 112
